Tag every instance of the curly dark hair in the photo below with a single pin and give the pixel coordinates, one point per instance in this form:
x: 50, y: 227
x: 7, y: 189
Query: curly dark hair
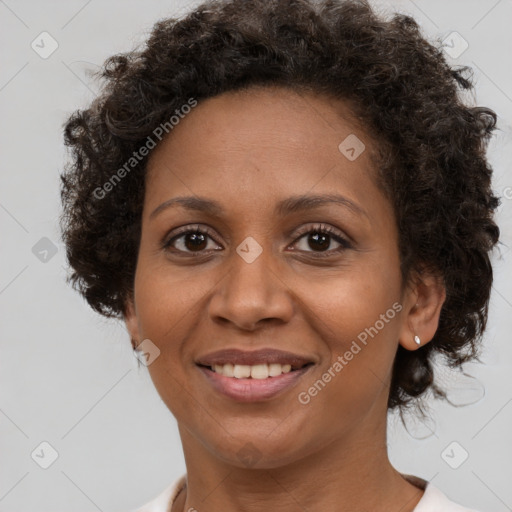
x: 431, y: 160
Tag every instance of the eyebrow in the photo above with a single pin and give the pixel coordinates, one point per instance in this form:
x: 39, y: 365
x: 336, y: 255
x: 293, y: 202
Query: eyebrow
x: 283, y: 207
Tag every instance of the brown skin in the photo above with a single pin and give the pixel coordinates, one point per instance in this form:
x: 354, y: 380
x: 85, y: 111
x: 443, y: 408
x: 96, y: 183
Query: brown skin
x: 247, y: 151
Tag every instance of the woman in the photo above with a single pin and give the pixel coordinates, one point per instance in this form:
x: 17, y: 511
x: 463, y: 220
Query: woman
x: 289, y: 205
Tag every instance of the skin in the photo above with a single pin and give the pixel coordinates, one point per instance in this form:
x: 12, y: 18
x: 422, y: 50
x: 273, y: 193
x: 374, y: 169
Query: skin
x: 248, y: 151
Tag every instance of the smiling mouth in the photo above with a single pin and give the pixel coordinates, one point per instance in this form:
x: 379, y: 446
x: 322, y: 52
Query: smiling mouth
x: 257, y: 371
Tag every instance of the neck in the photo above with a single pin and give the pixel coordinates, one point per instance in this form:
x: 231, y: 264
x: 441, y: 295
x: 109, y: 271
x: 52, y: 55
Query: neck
x: 352, y: 473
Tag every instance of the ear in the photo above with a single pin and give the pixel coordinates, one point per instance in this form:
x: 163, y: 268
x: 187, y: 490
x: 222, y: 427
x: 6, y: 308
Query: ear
x: 423, y: 300
x: 132, y: 325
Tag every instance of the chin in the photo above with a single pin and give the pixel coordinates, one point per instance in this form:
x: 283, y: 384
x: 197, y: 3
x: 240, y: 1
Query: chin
x: 249, y: 450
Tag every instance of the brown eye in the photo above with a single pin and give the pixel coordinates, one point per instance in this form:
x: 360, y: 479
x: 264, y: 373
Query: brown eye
x: 195, y: 241
x: 319, y: 240
x: 191, y: 241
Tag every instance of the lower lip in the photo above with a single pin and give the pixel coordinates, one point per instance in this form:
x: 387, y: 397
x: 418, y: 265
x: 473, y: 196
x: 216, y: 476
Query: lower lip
x: 252, y: 390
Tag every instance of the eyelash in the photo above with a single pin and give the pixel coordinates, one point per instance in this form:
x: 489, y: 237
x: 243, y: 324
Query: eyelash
x: 320, y: 229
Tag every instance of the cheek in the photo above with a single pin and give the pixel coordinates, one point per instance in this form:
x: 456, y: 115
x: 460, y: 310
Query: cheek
x: 167, y: 298
x: 168, y: 304
x: 354, y: 299
x: 357, y: 315
x: 360, y: 346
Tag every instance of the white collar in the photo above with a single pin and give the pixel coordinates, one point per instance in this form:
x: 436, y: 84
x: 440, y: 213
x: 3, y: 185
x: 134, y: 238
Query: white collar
x: 433, y: 499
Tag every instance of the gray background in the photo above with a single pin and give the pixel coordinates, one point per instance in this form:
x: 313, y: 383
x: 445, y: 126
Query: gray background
x: 68, y: 377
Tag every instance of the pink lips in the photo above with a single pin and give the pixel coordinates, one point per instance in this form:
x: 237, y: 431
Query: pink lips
x: 253, y: 390
x: 266, y: 355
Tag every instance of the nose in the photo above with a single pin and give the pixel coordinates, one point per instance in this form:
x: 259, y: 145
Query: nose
x: 251, y: 294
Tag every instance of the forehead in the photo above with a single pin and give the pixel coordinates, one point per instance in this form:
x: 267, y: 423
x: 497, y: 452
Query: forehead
x: 263, y: 142
x: 260, y: 120
x: 267, y: 113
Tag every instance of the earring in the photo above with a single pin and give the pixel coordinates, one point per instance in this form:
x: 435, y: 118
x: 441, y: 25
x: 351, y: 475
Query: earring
x: 417, y: 340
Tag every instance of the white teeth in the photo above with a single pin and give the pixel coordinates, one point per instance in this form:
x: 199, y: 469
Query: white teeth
x: 242, y: 371
x: 228, y: 370
x: 257, y: 371
x: 274, y: 369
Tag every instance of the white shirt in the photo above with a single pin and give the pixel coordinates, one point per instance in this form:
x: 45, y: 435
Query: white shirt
x: 433, y: 500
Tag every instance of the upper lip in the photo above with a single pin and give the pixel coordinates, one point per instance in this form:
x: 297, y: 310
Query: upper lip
x: 244, y: 357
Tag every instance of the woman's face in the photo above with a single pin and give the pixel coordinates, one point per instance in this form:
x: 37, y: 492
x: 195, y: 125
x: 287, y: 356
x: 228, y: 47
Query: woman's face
x: 261, y: 274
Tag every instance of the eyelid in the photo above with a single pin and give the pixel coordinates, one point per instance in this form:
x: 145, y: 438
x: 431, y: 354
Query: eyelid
x: 183, y: 230
x: 324, y: 228
x: 344, y: 240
